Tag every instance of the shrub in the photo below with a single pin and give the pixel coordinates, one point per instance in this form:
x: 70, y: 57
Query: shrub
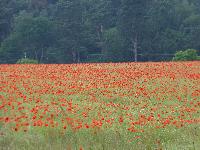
x: 187, y: 55
x: 27, y: 61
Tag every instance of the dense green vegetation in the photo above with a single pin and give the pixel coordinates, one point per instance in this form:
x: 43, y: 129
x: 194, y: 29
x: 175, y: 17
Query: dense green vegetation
x: 72, y: 31
x: 187, y: 55
x: 27, y: 61
x: 100, y: 106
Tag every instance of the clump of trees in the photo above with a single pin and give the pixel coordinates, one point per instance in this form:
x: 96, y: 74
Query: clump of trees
x: 72, y: 31
x: 187, y: 55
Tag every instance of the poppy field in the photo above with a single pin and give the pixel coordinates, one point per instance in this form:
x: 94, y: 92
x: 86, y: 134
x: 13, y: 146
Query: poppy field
x: 100, y: 106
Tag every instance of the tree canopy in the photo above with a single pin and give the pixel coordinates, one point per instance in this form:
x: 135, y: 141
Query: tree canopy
x: 73, y: 31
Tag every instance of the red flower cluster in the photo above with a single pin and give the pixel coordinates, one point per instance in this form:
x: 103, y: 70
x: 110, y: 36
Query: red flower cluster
x: 132, y: 95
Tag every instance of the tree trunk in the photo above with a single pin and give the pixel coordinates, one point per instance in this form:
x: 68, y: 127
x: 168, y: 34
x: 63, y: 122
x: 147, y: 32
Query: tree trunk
x: 78, y: 57
x: 42, y: 55
x: 135, y: 48
x: 36, y: 55
x: 98, y: 30
x: 74, y: 56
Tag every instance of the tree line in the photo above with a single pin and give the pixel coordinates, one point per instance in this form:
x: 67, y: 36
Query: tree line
x: 73, y: 31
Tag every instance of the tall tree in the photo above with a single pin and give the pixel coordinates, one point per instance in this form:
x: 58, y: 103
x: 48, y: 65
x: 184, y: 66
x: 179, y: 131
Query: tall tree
x: 100, y: 16
x: 69, y: 19
x: 31, y: 35
x: 113, y: 45
x: 132, y: 22
x: 7, y: 11
x: 66, y: 31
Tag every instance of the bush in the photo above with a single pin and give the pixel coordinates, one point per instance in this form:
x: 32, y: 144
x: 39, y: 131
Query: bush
x: 187, y: 55
x: 27, y: 61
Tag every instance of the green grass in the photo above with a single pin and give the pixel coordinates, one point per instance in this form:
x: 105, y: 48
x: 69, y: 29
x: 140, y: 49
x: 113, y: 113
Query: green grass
x: 108, y: 103
x: 98, y: 139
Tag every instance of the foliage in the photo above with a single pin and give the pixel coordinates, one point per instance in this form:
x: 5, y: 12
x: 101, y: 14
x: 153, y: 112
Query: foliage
x: 7, y: 10
x: 27, y: 61
x: 187, y: 55
x: 113, y: 45
x: 60, y: 31
x: 11, y: 49
x: 32, y: 35
x: 132, y: 23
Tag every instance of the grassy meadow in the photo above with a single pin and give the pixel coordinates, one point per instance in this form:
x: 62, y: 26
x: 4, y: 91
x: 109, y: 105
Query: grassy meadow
x: 100, y: 106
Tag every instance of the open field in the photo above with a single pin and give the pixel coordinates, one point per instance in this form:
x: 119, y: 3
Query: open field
x: 100, y: 106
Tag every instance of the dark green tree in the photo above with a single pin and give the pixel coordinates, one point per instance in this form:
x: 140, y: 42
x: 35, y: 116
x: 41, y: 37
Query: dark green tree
x: 7, y: 11
x: 113, y: 45
x: 71, y: 29
x: 31, y: 36
x: 132, y: 23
